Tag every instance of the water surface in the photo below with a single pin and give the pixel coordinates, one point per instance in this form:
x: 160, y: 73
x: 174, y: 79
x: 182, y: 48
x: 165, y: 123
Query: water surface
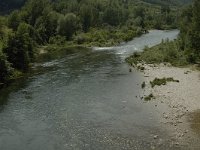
x: 83, y: 100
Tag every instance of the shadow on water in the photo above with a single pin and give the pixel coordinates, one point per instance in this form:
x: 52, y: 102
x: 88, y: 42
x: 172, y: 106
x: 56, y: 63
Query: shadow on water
x: 12, y: 87
x: 194, y: 120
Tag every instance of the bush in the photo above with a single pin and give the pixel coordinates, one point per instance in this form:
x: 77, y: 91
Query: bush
x: 164, y: 52
x: 59, y: 40
x: 149, y: 97
x: 143, y: 85
x: 5, y: 68
x: 191, y: 58
x: 162, y: 81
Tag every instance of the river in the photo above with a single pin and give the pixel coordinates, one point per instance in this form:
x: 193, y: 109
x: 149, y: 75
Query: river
x: 87, y: 100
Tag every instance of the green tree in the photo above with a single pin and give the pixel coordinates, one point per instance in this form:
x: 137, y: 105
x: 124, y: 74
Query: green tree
x: 67, y: 25
x: 140, y: 12
x: 25, y: 32
x: 165, y: 9
x: 5, y: 68
x: 86, y: 17
x: 46, y: 25
x: 184, y: 26
x: 14, y: 20
x: 19, y: 48
x: 112, y: 16
x: 194, y: 33
x: 35, y: 9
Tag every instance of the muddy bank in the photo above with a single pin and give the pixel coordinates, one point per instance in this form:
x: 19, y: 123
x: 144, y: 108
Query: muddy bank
x: 177, y: 103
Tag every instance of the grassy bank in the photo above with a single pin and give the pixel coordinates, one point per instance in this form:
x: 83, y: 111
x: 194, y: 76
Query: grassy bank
x: 95, y: 37
x: 165, y: 52
x: 101, y: 37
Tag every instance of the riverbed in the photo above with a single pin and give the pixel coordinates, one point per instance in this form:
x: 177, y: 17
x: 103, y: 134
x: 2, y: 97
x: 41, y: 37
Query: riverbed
x: 83, y: 100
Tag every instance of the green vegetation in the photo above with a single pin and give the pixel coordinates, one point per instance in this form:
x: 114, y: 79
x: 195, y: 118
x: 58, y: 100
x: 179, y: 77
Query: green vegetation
x: 189, y: 39
x: 143, y: 85
x: 183, y: 51
x: 149, y: 97
x: 162, y: 81
x: 167, y: 51
x: 107, y: 36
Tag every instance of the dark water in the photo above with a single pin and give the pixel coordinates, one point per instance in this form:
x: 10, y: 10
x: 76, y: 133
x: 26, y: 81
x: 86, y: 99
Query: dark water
x: 86, y: 100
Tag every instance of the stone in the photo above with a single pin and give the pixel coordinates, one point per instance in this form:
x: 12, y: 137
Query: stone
x: 155, y: 136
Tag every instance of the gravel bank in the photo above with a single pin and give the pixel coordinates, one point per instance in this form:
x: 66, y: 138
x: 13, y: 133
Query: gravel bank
x: 177, y: 102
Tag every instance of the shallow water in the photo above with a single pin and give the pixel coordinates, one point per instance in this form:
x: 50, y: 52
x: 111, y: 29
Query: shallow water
x: 82, y: 100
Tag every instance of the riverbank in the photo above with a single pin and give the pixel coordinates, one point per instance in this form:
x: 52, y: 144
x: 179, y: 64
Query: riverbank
x: 176, y: 102
x: 95, y: 37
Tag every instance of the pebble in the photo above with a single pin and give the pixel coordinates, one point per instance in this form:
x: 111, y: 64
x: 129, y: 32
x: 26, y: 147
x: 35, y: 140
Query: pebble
x: 176, y: 143
x: 186, y: 131
x: 166, y: 116
x: 155, y: 136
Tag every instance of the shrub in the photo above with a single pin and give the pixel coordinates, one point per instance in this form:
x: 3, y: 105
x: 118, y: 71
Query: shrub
x: 5, y: 68
x: 164, y: 52
x: 162, y: 81
x: 143, y: 85
x: 149, y: 97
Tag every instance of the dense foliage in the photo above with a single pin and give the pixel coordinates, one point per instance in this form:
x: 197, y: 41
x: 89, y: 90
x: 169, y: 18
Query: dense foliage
x: 189, y: 39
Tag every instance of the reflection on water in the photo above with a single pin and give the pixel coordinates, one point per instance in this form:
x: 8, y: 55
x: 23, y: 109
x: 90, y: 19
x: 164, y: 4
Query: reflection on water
x: 85, y: 99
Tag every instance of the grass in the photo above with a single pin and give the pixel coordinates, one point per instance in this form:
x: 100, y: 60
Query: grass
x: 107, y: 36
x: 149, y: 97
x: 167, y: 51
x: 99, y: 37
x: 162, y: 81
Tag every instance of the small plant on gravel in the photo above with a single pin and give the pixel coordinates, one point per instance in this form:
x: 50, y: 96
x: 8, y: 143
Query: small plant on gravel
x: 149, y: 97
x: 143, y: 85
x: 141, y: 68
x: 162, y: 81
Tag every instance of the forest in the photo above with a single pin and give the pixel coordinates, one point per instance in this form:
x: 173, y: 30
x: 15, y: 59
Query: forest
x: 30, y: 25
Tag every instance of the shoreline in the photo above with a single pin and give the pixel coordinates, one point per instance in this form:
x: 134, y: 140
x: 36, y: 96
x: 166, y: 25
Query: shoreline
x: 175, y: 102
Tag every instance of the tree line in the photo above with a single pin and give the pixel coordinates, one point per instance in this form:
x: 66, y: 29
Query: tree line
x: 189, y: 38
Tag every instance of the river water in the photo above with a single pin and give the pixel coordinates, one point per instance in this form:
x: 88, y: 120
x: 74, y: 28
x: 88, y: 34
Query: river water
x: 86, y: 100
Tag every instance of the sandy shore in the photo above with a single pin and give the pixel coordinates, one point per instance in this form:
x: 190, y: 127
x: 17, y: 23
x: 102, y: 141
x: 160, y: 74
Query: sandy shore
x: 177, y: 102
